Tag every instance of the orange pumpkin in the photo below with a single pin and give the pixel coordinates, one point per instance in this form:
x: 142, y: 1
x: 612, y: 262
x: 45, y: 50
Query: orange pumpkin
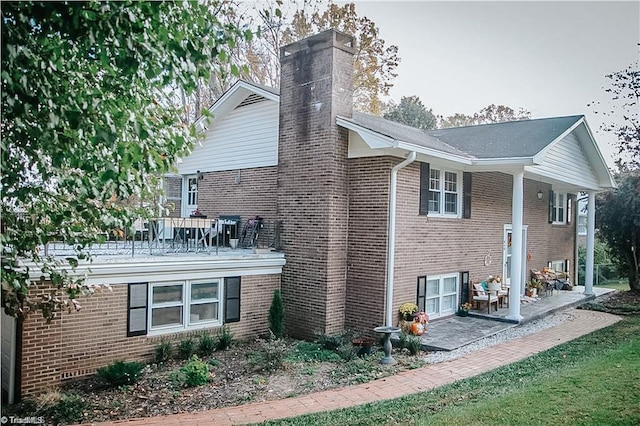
x: 417, y: 328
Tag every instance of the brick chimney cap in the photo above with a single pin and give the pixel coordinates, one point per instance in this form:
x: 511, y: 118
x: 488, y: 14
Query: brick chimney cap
x: 325, y: 39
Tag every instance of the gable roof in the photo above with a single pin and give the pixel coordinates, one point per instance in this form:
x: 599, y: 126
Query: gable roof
x: 511, y: 139
x: 558, y: 149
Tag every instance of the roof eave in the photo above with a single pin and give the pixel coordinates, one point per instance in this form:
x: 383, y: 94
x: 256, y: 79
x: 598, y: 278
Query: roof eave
x: 228, y: 96
x: 377, y: 141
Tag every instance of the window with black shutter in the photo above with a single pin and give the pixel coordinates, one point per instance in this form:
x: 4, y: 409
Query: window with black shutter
x: 464, y: 286
x: 424, y: 189
x: 137, y: 309
x: 422, y: 293
x: 466, y: 195
x: 232, y: 299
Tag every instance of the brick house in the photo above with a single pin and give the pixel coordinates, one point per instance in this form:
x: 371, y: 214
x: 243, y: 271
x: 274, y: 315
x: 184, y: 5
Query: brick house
x: 373, y: 214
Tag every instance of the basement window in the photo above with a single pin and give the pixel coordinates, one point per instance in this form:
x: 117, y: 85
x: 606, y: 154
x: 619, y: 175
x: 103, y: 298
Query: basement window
x: 174, y: 306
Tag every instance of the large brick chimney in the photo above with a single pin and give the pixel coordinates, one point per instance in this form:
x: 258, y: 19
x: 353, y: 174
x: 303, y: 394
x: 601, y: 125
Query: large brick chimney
x: 316, y: 85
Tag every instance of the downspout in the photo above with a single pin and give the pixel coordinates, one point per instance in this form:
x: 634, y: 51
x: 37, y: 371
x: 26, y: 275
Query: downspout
x: 391, y: 241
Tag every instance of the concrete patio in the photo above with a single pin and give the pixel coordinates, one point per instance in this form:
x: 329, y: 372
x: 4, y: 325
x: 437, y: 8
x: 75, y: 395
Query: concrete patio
x: 453, y: 332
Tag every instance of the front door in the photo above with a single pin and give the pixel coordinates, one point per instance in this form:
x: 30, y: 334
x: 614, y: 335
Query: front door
x: 189, y: 195
x: 506, y: 256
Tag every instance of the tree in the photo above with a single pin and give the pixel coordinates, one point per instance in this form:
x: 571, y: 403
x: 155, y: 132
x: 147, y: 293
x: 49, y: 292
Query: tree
x: 600, y: 257
x: 276, y: 315
x: 375, y: 62
x: 411, y: 111
x: 88, y: 126
x: 625, y: 106
x: 618, y: 222
x: 489, y: 114
x: 278, y: 25
x: 455, y: 120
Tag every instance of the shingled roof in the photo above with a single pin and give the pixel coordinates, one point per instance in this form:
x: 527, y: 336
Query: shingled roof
x: 513, y: 139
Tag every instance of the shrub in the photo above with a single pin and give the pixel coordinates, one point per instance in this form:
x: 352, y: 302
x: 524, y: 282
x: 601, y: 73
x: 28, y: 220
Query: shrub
x: 310, y: 352
x: 276, y: 315
x: 347, y: 351
x: 164, y: 351
x: 334, y: 341
x: 193, y: 373
x: 206, y: 345
x: 414, y: 344
x: 270, y: 357
x: 186, y: 348
x: 224, y: 339
x: 120, y: 373
x: 402, y: 340
x: 65, y: 408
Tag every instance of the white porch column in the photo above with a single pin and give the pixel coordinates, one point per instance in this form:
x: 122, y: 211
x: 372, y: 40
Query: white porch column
x: 591, y: 231
x: 516, y: 247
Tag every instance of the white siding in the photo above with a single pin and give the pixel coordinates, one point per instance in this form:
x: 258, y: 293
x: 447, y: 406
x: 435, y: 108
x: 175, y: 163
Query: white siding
x: 246, y: 138
x: 567, y: 161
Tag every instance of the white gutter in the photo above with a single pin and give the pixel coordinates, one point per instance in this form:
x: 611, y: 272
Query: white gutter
x: 392, y: 234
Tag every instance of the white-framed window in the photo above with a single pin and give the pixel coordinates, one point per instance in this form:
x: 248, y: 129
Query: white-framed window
x: 558, y: 265
x: 444, y: 192
x: 183, y: 305
x: 561, y: 208
x: 438, y: 295
x: 180, y: 305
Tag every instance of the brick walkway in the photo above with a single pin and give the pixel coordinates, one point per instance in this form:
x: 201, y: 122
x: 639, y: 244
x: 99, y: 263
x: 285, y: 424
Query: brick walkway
x: 408, y: 382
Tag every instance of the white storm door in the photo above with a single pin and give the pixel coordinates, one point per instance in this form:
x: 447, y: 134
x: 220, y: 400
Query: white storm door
x: 506, y: 255
x: 189, y: 195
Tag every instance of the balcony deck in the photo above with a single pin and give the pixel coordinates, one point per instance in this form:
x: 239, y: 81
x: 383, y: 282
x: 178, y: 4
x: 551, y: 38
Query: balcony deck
x: 182, y: 237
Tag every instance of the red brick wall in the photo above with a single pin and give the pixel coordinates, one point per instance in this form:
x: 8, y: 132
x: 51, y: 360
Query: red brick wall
x: 368, y: 218
x: 432, y: 246
x: 247, y: 192
x: 76, y: 344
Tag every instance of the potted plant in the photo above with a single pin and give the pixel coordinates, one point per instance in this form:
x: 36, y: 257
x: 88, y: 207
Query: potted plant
x: 407, y: 311
x: 494, y: 283
x: 464, y: 309
x: 198, y: 214
x: 363, y: 344
x: 533, y: 287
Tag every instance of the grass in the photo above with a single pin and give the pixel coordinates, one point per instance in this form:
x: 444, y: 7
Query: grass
x: 622, y: 285
x: 592, y: 380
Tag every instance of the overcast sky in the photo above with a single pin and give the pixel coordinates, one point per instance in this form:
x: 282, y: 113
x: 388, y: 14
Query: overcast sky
x: 547, y: 57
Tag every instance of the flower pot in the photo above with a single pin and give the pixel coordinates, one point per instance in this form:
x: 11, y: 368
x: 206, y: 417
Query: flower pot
x: 233, y: 243
x: 363, y: 344
x: 462, y: 313
x: 494, y: 286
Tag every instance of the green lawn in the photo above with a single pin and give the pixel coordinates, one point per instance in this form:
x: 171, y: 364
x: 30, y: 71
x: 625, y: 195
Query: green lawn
x: 622, y: 285
x: 593, y: 380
